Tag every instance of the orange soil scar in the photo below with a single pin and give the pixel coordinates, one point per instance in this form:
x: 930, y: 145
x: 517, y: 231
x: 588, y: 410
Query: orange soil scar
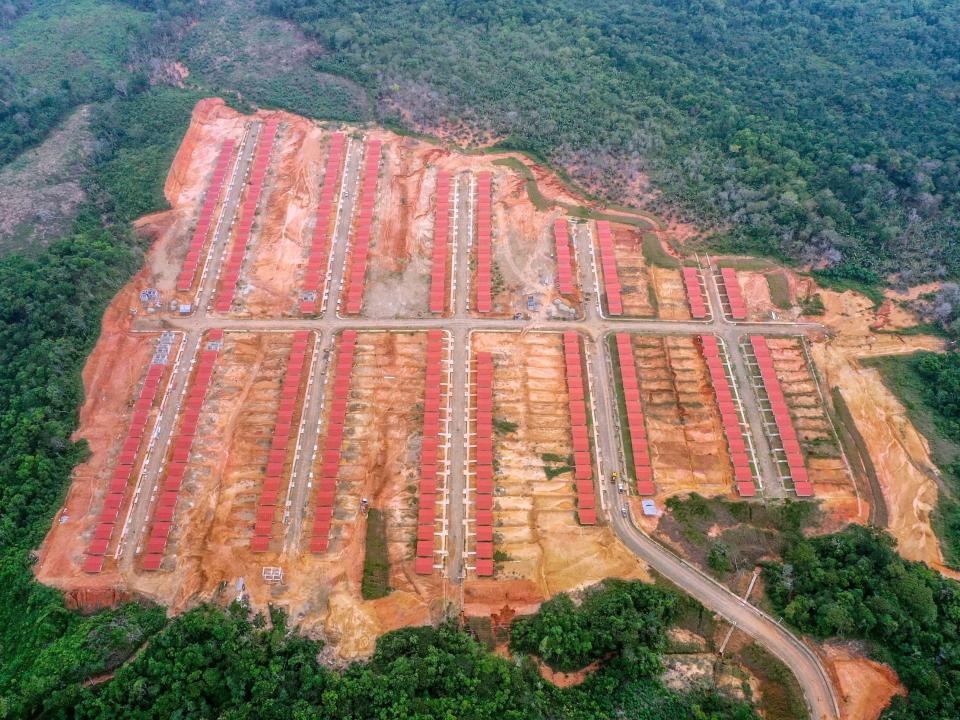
x: 865, y: 687
x: 283, y: 232
x: 687, y: 444
x: 901, y: 455
x: 535, y: 522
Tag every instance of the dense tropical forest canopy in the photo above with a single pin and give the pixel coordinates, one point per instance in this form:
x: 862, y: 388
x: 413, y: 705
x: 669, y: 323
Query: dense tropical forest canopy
x: 826, y: 132
x: 853, y: 584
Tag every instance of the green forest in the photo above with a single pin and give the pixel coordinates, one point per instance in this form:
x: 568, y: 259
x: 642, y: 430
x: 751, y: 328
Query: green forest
x: 853, y: 584
x: 824, y: 132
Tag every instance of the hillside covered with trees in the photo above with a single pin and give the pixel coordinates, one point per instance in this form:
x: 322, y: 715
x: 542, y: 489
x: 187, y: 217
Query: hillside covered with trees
x: 854, y: 585
x: 825, y: 132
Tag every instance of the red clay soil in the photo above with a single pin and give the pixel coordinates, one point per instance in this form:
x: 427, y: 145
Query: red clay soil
x: 111, y: 377
x: 687, y: 444
x: 283, y: 232
x: 638, y: 297
x: 865, y: 687
x: 545, y: 550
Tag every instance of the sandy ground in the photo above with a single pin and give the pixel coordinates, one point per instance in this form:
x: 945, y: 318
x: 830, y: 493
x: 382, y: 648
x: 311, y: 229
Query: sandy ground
x: 687, y: 446
x: 755, y: 287
x: 822, y: 454
x: 639, y: 297
x: 671, y: 293
x: 899, y: 452
x: 865, y: 687
x: 398, y: 274
x: 545, y: 550
x: 524, y: 260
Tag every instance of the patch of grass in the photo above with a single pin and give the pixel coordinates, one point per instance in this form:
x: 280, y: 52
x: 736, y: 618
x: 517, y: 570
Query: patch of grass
x: 781, y: 696
x: 555, y: 465
x: 728, y: 538
x: 779, y: 290
x: 504, y: 427
x: 935, y: 329
x: 654, y: 254
x: 745, y: 263
x: 812, y: 305
x: 376, y: 566
x: 622, y: 411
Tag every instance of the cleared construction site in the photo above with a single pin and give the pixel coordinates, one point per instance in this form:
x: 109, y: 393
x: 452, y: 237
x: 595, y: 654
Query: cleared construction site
x: 369, y: 380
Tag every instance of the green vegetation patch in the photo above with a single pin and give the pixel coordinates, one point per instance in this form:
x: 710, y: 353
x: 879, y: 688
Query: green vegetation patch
x: 376, y: 563
x: 504, y: 427
x: 235, y: 49
x: 611, y: 618
x: 729, y: 538
x: 51, y: 307
x: 655, y: 254
x: 555, y: 465
x: 854, y: 585
x: 61, y: 54
x: 779, y: 289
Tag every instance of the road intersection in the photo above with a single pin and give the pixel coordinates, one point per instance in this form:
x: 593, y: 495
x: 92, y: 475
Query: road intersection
x: 461, y: 322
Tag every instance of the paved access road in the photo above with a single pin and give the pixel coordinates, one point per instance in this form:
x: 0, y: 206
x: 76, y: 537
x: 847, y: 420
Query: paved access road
x: 594, y: 327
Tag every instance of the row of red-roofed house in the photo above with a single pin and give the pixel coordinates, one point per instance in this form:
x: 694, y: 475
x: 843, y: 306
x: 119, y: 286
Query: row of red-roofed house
x: 730, y: 417
x: 781, y: 415
x: 333, y: 443
x: 279, y: 445
x: 484, y: 243
x: 635, y: 420
x: 441, y: 248
x: 738, y: 308
x: 123, y: 472
x: 188, y: 271
x: 248, y: 209
x: 695, y: 296
x: 364, y: 225
x: 561, y: 237
x: 429, y: 454
x: 484, y: 464
x: 320, y: 242
x: 176, y: 466
x: 576, y: 402
x: 608, y: 264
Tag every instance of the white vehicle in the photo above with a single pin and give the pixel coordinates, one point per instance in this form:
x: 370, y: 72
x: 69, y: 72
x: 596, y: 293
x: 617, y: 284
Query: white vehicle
x: 623, y: 510
x: 620, y: 489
